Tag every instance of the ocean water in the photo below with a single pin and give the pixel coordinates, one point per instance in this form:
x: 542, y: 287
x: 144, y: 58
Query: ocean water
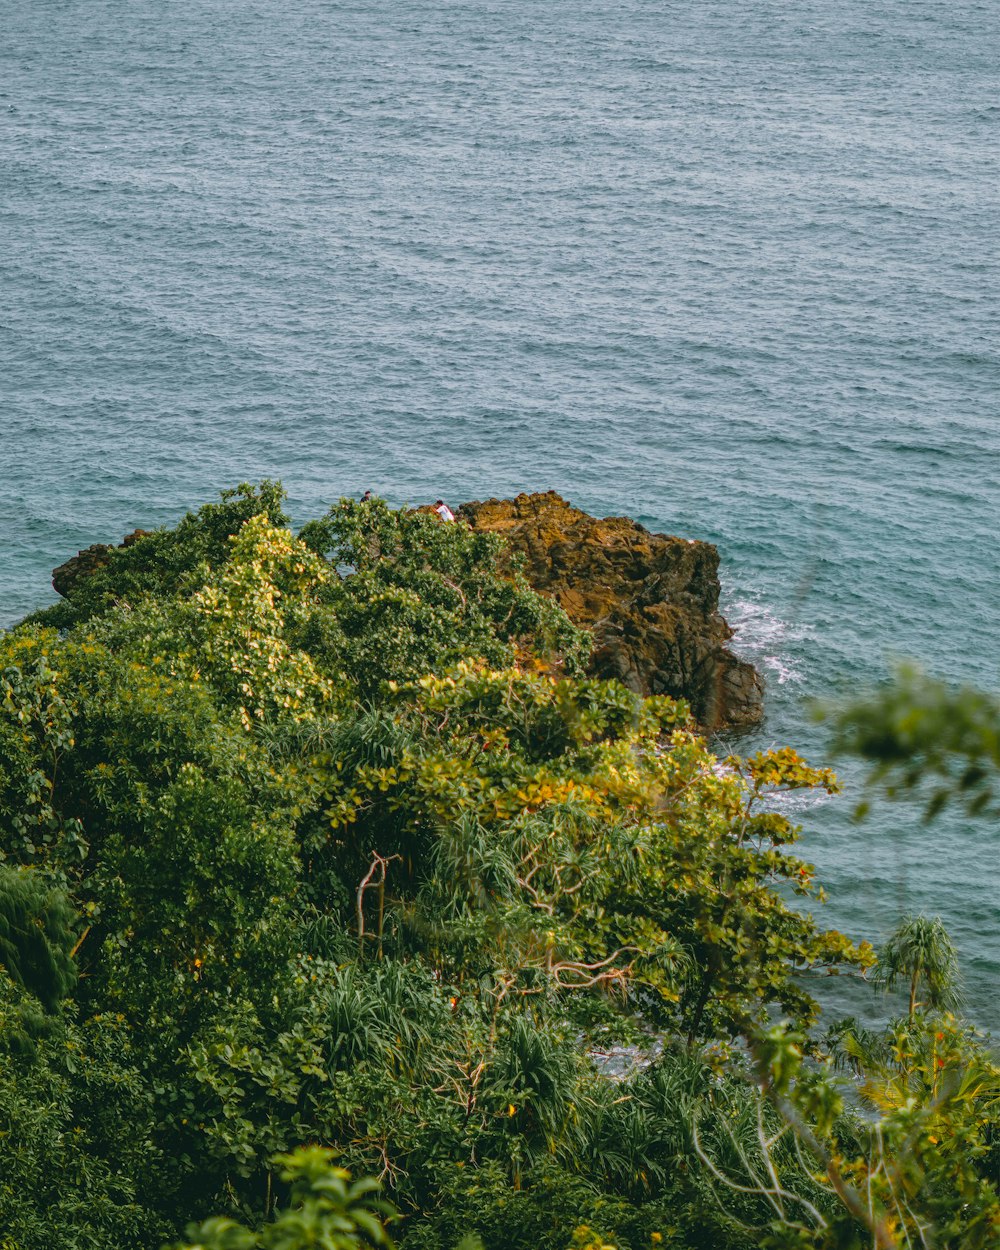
x: 731, y: 270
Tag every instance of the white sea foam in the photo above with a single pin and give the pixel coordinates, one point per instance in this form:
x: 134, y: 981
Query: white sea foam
x: 767, y: 640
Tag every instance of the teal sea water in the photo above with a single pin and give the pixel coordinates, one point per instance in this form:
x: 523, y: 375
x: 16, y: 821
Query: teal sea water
x: 729, y: 269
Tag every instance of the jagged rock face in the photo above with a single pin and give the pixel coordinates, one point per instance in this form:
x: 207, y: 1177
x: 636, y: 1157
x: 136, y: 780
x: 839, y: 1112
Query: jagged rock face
x: 86, y: 562
x: 650, y: 601
x: 82, y: 565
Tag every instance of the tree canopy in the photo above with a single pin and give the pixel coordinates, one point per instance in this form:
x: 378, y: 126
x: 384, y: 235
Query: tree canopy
x: 325, y: 838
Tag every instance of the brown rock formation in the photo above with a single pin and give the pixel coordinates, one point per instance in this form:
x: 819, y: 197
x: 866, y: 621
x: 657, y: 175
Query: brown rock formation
x: 651, y: 602
x: 87, y: 562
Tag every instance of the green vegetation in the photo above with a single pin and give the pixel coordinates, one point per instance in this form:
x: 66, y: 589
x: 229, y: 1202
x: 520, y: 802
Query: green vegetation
x: 323, y: 859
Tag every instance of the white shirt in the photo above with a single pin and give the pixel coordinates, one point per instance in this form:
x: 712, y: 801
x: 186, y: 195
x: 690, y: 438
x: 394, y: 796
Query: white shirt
x: 445, y: 513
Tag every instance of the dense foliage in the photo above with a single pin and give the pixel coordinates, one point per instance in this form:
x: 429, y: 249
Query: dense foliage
x: 326, y: 839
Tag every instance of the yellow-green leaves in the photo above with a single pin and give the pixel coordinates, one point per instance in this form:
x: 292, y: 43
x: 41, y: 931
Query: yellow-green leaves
x: 242, y: 617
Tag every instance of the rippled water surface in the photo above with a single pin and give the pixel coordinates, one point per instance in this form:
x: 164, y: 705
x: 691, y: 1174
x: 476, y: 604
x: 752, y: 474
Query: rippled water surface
x: 728, y: 269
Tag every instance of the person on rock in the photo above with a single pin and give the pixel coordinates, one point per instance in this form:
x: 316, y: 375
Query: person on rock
x: 366, y: 497
x: 443, y: 511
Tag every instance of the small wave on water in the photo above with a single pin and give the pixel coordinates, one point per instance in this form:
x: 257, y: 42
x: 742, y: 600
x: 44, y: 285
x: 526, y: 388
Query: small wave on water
x: 767, y: 640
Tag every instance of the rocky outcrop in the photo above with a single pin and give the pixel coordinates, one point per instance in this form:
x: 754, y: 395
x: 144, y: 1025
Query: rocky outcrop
x: 85, y: 563
x: 650, y: 601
